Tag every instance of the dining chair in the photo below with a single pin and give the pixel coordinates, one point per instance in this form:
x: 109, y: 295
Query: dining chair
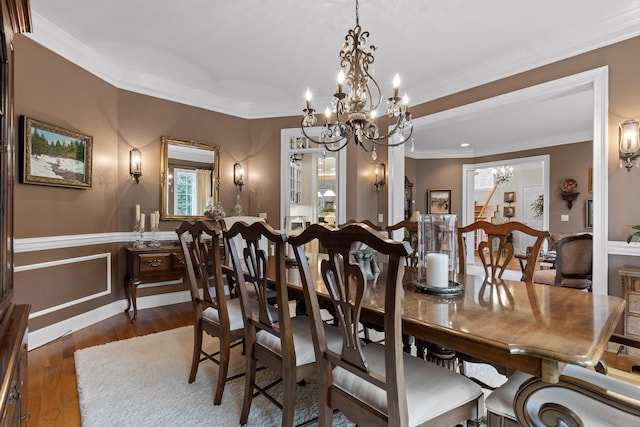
x: 213, y: 312
x: 581, y: 397
x: 373, y: 383
x: 272, y: 337
x: 495, y: 248
x: 574, y: 263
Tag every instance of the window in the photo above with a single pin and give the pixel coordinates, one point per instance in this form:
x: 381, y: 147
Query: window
x: 185, y: 201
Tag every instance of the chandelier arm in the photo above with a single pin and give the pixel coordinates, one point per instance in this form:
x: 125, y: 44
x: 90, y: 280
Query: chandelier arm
x: 326, y: 143
x: 387, y: 136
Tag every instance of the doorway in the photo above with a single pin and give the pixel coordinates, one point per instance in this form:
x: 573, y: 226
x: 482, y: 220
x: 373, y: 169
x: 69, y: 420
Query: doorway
x: 596, y: 82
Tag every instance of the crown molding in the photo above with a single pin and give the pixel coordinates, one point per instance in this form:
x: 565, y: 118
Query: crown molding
x: 619, y: 28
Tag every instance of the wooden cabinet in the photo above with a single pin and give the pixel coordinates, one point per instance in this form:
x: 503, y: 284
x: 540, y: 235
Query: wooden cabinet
x: 13, y: 364
x: 630, y: 277
x: 151, y: 265
x: 15, y: 17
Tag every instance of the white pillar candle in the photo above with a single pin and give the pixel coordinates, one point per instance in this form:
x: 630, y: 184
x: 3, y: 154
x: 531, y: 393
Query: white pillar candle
x: 142, y: 221
x: 152, y: 220
x: 438, y: 270
x: 137, y: 213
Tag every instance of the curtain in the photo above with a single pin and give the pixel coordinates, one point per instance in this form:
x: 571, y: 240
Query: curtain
x: 203, y: 189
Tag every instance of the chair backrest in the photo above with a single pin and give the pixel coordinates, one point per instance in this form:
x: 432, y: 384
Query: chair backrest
x: 410, y: 234
x: 376, y: 227
x: 574, y: 258
x: 344, y: 281
x: 496, y: 251
x: 251, y: 267
x: 227, y: 222
x: 200, y: 243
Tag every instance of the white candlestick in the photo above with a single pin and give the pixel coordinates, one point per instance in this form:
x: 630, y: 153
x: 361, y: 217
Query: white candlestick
x: 438, y: 270
x: 142, y: 221
x: 137, y: 213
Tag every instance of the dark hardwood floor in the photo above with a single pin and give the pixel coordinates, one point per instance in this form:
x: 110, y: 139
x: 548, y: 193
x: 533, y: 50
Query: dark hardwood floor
x: 51, y: 390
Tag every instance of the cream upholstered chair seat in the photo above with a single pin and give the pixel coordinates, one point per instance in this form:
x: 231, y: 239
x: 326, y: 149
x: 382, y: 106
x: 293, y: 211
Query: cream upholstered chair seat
x: 302, y: 340
x: 236, y: 321
x: 590, y: 395
x: 426, y: 396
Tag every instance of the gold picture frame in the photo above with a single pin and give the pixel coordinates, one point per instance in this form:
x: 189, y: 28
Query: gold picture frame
x: 55, y: 156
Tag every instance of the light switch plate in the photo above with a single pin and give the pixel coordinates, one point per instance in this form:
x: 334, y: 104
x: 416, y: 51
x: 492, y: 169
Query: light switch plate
x: 564, y: 218
x: 380, y: 217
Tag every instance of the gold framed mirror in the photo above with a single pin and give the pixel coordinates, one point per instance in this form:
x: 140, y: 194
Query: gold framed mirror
x: 189, y: 178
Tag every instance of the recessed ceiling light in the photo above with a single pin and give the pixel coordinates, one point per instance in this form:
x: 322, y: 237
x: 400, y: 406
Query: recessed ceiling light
x: 464, y: 144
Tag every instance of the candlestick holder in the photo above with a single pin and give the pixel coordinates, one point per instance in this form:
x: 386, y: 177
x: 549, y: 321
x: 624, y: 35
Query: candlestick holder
x: 139, y: 233
x: 154, y: 243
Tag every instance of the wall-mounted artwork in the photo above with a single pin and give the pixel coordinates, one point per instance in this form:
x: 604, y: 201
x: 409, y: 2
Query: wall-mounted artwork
x: 55, y: 156
x: 588, y: 213
x: 439, y: 201
x: 509, y: 196
x: 509, y: 211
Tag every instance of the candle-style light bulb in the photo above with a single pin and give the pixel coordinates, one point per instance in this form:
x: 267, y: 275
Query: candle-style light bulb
x: 405, y: 102
x: 373, y: 114
x: 327, y: 113
x: 340, y: 80
x: 396, y: 85
x: 308, y: 98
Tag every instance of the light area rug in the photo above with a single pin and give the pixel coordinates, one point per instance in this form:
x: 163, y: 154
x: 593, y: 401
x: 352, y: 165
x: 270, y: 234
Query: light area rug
x: 143, y: 381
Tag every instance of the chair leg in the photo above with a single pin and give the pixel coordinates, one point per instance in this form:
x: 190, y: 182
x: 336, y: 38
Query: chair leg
x: 223, y: 369
x: 421, y: 347
x: 197, y: 348
x: 250, y: 379
x: 325, y: 413
x: 406, y: 343
x: 288, y: 397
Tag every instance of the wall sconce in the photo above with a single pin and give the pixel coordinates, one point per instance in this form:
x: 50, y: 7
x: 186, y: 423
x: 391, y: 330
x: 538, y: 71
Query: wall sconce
x: 629, y: 144
x: 380, y: 177
x: 238, y: 176
x: 135, y: 164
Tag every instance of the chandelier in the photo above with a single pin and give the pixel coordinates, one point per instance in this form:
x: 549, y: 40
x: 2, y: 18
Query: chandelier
x: 502, y: 174
x: 353, y: 112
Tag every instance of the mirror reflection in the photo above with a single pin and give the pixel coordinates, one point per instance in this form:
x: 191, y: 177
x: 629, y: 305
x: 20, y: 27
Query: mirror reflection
x: 189, y: 176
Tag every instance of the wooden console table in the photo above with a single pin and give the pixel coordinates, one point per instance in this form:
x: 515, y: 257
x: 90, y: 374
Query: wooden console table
x: 151, y: 265
x: 627, y: 357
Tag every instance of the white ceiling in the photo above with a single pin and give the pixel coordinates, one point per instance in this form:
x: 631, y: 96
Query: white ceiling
x: 255, y: 58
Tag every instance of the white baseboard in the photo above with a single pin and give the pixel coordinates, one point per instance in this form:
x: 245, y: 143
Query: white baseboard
x: 57, y: 330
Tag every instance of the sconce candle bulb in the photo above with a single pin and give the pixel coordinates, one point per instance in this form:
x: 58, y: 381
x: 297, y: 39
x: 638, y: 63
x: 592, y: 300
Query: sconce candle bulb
x: 380, y: 176
x: 238, y: 176
x: 629, y: 144
x: 135, y: 164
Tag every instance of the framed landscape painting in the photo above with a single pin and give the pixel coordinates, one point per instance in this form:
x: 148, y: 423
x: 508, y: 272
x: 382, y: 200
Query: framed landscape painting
x: 439, y: 202
x: 55, y: 156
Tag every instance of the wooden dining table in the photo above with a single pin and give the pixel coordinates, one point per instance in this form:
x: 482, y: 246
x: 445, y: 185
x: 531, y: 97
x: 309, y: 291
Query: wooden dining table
x: 533, y: 328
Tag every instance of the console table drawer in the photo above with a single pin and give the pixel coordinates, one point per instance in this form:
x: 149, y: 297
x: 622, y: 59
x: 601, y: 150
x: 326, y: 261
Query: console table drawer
x: 154, y: 262
x: 633, y: 326
x: 633, y: 303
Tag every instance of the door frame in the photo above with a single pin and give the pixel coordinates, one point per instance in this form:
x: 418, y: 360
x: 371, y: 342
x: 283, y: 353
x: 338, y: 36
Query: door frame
x: 598, y: 81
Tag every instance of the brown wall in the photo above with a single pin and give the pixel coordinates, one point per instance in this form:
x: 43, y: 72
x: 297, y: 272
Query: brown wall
x: 53, y: 90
